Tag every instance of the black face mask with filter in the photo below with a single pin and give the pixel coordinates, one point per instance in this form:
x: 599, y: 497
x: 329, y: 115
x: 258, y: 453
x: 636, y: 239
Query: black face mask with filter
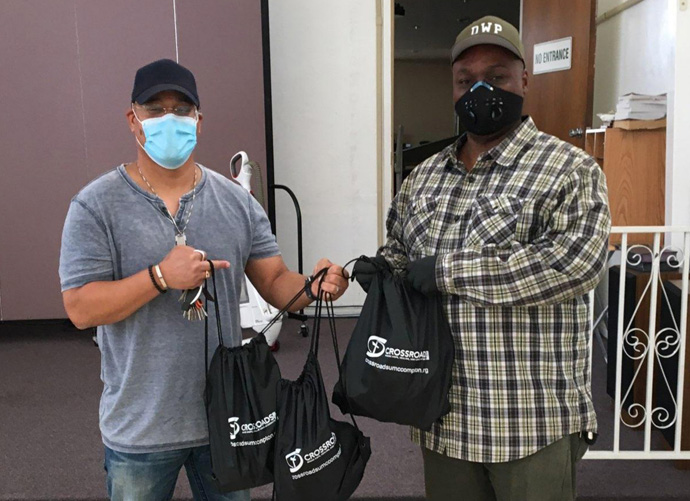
x: 485, y: 109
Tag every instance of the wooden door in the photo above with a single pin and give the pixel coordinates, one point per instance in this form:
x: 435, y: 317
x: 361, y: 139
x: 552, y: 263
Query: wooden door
x: 561, y: 102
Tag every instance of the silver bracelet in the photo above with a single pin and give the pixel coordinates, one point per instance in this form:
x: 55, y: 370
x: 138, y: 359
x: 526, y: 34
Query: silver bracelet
x: 160, y: 277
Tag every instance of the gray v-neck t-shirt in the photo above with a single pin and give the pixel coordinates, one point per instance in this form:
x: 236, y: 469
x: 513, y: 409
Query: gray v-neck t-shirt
x: 152, y: 363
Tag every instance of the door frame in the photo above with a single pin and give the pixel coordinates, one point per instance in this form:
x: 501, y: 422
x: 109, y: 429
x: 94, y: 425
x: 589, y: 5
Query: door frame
x: 385, y: 60
x: 268, y: 114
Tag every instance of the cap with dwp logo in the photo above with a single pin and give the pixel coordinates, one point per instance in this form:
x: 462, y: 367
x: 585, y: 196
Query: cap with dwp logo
x: 489, y: 30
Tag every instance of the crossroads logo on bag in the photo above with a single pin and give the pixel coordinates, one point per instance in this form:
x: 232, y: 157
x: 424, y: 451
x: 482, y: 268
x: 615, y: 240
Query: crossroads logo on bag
x: 377, y: 347
x: 234, y: 427
x: 249, y: 428
x: 295, y: 460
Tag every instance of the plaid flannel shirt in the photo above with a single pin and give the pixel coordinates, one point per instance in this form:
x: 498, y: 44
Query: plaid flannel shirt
x: 520, y: 240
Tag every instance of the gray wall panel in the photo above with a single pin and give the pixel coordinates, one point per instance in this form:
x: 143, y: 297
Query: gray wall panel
x: 220, y: 42
x: 66, y: 71
x: 42, y: 145
x: 115, y: 39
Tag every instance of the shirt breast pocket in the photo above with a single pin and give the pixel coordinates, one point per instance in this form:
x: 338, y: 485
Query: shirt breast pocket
x: 416, y: 227
x: 493, y: 221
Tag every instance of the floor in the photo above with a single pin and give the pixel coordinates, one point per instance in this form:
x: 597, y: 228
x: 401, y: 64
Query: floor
x: 50, y: 446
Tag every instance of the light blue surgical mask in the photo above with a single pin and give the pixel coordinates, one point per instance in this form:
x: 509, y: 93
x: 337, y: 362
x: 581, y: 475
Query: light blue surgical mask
x: 170, y: 139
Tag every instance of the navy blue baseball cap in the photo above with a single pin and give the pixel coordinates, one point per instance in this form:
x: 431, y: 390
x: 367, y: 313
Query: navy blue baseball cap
x: 161, y: 75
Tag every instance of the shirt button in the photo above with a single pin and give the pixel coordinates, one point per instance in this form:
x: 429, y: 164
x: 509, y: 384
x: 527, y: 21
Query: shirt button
x: 470, y: 179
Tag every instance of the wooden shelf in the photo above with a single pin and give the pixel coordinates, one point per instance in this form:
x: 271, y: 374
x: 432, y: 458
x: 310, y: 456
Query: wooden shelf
x: 640, y: 124
x: 633, y: 157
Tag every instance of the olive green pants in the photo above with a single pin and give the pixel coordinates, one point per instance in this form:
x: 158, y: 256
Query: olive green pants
x: 547, y: 475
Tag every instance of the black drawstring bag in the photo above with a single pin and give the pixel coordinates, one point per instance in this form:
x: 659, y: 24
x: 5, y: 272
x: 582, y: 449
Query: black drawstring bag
x: 398, y: 365
x: 240, y: 402
x: 316, y: 457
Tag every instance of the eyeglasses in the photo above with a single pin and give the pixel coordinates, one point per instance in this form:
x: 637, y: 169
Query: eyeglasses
x: 156, y: 110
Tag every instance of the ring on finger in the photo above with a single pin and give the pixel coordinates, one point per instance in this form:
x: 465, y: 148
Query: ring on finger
x: 203, y: 254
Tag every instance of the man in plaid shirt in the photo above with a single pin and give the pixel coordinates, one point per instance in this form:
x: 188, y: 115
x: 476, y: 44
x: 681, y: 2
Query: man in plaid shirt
x: 510, y: 225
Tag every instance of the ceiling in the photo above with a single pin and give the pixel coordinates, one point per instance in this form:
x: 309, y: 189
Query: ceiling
x: 429, y: 27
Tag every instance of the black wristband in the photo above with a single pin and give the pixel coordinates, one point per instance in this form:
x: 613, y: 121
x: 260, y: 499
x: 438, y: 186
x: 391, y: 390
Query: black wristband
x: 155, y: 284
x: 307, y: 288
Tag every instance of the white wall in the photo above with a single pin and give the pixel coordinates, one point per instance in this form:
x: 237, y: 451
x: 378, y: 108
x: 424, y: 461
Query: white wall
x: 324, y: 83
x: 678, y: 131
x: 634, y: 52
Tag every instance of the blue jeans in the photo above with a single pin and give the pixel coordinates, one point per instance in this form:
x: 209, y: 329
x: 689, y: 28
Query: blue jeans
x: 152, y: 476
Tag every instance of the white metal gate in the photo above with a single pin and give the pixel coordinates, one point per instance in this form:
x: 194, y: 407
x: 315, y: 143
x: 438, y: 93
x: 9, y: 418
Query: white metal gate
x: 649, y: 350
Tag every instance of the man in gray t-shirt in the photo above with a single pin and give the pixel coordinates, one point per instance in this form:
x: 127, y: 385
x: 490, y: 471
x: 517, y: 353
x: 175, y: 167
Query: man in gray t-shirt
x: 133, y: 240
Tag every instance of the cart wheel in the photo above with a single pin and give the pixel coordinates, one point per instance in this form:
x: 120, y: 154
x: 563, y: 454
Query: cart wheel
x: 304, y: 330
